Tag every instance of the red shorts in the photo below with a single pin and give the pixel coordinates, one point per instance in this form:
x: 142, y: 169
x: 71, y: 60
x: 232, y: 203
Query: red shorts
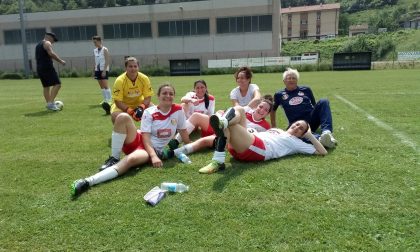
x: 137, y: 144
x: 254, y: 152
x: 208, y: 132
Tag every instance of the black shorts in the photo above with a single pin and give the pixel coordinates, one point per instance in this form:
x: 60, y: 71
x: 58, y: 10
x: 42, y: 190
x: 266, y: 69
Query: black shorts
x: 48, y: 77
x: 98, y: 75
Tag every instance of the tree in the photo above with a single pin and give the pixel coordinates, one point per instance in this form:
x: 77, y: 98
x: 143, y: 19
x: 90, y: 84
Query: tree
x: 110, y: 3
x: 122, y: 2
x: 343, y: 24
x: 96, y: 3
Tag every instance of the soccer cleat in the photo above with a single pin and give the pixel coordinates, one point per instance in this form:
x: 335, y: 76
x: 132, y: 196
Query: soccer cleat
x: 173, y: 144
x: 109, y: 162
x: 229, y: 114
x: 105, y: 105
x: 166, y: 153
x: 327, y: 140
x: 52, y: 107
x: 214, y: 166
x: 78, y: 187
x: 217, y: 125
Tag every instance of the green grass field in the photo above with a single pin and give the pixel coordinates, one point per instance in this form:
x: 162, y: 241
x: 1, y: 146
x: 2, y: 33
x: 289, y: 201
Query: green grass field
x: 362, y: 196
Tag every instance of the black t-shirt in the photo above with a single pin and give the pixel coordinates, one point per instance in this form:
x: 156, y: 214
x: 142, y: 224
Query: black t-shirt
x: 43, y: 60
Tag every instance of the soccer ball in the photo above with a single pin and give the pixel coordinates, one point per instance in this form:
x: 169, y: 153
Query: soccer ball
x: 59, y: 105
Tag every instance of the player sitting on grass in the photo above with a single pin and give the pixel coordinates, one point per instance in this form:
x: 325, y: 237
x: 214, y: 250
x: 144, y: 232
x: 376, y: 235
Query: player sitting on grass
x: 299, y: 103
x: 255, y: 121
x: 199, y: 100
x: 131, y: 92
x: 159, y: 124
x: 245, y: 92
x: 257, y: 146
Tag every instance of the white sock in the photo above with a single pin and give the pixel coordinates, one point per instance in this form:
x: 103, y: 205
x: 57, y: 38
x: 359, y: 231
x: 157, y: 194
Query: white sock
x: 102, y: 176
x: 104, y: 94
x: 186, y: 149
x: 178, y: 138
x: 190, y: 127
x: 108, y: 96
x: 219, y: 157
x: 117, y: 144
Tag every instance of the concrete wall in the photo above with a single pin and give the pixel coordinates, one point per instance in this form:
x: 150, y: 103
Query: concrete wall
x: 155, y: 49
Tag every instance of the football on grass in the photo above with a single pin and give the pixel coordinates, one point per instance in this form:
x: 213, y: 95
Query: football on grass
x: 59, y: 104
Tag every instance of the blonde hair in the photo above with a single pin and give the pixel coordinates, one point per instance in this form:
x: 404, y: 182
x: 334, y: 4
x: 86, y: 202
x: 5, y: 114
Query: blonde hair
x: 290, y: 71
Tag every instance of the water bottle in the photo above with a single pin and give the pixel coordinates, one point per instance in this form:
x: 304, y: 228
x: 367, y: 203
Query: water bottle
x: 184, y: 158
x: 174, y: 187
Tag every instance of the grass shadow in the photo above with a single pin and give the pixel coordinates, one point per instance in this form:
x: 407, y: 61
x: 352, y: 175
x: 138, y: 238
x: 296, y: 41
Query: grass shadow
x: 95, y: 106
x: 39, y: 113
x: 238, y: 168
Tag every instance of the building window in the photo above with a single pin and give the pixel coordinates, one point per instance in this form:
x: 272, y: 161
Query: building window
x: 289, y: 18
x: 304, y: 34
x: 289, y: 31
x: 303, y: 21
x: 127, y: 30
x: 244, y: 24
x: 32, y: 36
x: 318, y: 15
x: 75, y: 33
x: 318, y: 29
x: 184, y: 28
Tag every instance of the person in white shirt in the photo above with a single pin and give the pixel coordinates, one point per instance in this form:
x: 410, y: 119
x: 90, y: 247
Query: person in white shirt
x: 199, y: 100
x: 158, y: 127
x: 100, y: 72
x: 254, y: 118
x: 245, y: 92
x: 258, y: 146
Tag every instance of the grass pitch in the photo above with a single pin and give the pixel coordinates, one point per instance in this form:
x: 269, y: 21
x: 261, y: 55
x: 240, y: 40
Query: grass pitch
x: 362, y: 196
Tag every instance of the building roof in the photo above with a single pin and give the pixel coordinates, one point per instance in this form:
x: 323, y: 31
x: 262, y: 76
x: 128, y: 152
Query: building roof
x: 318, y: 7
x: 359, y: 26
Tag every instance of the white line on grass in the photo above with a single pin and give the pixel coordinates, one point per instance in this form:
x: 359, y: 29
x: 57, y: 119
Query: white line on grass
x: 400, y: 135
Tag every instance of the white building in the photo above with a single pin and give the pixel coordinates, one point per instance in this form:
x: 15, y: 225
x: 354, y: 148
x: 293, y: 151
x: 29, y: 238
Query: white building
x: 154, y: 33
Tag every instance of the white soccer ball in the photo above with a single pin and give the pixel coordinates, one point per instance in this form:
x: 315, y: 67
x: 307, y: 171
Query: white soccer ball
x: 59, y: 104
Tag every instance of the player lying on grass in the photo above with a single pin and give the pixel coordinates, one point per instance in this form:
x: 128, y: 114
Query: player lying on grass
x: 245, y: 92
x: 255, y: 121
x: 199, y: 100
x: 131, y: 92
x: 299, y: 103
x: 159, y: 124
x: 257, y: 146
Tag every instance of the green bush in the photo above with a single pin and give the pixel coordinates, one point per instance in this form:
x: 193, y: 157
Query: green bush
x: 11, y: 76
x: 155, y: 70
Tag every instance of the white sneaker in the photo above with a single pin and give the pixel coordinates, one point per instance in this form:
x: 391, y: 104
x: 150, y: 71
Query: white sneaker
x: 52, y: 107
x: 328, y: 140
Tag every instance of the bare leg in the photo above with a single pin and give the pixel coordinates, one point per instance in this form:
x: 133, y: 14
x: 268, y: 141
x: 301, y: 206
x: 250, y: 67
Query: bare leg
x: 114, y: 116
x: 47, y: 96
x: 54, y: 92
x: 125, y: 125
x: 186, y: 108
x: 199, y: 120
x: 103, y: 84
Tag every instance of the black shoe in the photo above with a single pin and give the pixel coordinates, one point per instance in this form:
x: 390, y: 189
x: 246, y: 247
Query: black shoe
x: 173, y: 144
x: 230, y: 114
x: 78, y: 187
x: 166, y: 153
x: 217, y: 125
x: 105, y: 105
x: 109, y: 162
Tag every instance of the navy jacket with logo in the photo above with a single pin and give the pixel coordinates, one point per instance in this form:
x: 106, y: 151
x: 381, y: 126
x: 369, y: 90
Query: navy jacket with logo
x: 297, y: 104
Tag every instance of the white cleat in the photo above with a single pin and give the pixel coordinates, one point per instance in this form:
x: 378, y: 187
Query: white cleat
x: 52, y: 107
x: 328, y: 140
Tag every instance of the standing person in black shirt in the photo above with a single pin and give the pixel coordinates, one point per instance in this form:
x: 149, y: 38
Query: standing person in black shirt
x: 44, y: 55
